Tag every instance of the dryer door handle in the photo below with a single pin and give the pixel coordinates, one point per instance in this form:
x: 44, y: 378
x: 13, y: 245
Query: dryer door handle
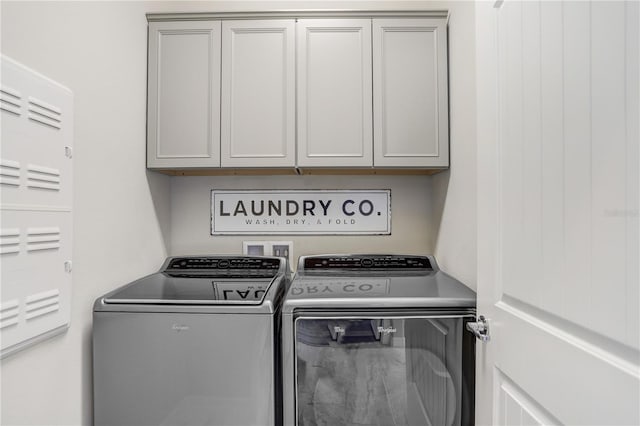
x: 480, y: 329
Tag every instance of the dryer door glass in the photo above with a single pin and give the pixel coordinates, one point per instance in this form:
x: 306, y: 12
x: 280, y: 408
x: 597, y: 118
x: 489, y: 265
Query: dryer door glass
x: 380, y: 371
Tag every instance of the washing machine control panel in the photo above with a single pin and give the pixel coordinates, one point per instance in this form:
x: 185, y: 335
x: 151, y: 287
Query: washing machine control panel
x: 228, y: 263
x: 366, y: 262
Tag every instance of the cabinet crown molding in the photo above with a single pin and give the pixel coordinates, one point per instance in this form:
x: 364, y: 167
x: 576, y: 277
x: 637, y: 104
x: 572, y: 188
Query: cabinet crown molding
x: 293, y: 14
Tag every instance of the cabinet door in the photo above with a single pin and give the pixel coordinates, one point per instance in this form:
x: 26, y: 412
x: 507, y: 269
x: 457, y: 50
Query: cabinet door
x: 258, y: 93
x: 184, y: 94
x: 410, y: 93
x: 334, y: 93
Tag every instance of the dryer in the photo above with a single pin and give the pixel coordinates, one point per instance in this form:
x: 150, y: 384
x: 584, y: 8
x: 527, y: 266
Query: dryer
x: 377, y: 340
x: 193, y: 344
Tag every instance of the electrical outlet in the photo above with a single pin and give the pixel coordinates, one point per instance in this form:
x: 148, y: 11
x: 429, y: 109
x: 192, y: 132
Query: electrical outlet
x: 269, y: 248
x: 282, y: 249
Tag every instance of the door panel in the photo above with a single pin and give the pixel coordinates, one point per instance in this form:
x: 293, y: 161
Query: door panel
x: 183, y: 128
x: 410, y: 93
x: 517, y: 409
x: 558, y: 221
x: 334, y: 92
x: 258, y: 93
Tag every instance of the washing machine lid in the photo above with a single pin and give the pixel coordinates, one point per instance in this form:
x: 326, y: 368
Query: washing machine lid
x: 375, y: 281
x: 163, y: 288
x: 207, y: 280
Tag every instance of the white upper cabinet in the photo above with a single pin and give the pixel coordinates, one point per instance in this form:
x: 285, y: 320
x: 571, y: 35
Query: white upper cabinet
x: 258, y: 93
x: 239, y: 91
x: 184, y: 94
x: 334, y: 93
x: 410, y: 95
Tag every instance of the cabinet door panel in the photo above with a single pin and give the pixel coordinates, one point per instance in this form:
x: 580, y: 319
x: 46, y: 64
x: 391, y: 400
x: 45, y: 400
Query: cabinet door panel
x: 410, y: 93
x: 184, y: 94
x: 258, y: 93
x: 334, y: 92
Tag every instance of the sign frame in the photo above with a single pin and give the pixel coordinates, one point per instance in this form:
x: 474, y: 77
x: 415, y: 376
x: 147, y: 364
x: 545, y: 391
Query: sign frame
x: 219, y: 228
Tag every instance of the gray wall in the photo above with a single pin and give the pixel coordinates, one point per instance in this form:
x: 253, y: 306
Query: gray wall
x: 128, y: 219
x: 411, y: 210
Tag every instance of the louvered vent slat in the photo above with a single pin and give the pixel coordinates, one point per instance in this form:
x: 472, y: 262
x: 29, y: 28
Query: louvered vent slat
x: 9, y: 312
x: 45, y: 113
x: 9, y: 240
x: 9, y: 172
x: 43, y: 177
x: 43, y: 239
x: 42, y: 303
x: 10, y: 100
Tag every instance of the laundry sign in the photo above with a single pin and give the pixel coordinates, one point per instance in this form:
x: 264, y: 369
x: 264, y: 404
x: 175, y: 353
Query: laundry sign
x: 301, y: 212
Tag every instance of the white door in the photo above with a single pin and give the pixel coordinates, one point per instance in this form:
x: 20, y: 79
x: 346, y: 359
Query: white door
x: 258, y: 93
x: 558, y: 212
x: 334, y: 93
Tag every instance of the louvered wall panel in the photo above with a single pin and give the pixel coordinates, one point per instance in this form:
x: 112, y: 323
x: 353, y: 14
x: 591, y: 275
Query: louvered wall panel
x: 35, y: 246
x: 37, y: 125
x: 36, y: 199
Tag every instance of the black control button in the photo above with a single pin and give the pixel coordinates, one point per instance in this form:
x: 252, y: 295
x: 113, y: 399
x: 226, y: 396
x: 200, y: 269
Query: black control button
x: 367, y: 263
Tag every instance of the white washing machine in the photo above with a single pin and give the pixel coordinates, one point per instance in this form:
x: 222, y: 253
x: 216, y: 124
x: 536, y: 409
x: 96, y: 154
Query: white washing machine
x: 193, y: 344
x: 377, y: 340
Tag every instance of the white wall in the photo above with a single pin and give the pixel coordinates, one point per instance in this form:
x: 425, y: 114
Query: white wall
x: 128, y: 219
x: 454, y: 191
x: 121, y: 212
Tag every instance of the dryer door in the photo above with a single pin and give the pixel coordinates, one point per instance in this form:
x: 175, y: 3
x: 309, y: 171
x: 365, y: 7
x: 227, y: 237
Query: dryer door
x: 388, y: 370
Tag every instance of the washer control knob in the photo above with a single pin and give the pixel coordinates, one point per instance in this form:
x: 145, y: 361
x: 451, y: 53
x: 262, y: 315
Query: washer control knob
x: 367, y: 263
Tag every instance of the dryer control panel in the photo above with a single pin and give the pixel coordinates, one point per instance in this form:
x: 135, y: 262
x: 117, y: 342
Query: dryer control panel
x: 384, y: 262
